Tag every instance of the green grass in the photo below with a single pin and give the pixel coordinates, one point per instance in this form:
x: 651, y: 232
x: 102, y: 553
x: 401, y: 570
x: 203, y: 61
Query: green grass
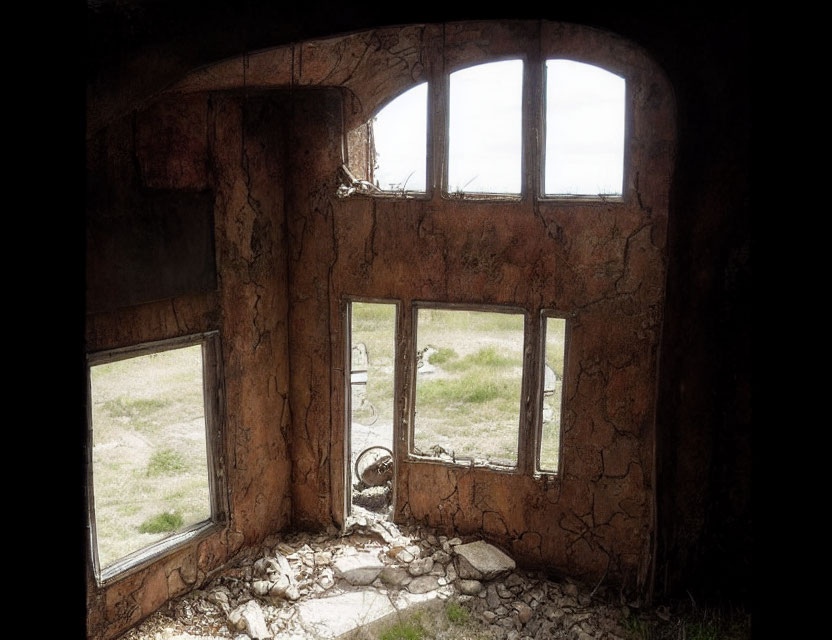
x: 700, y: 623
x: 141, y: 412
x: 162, y: 523
x: 406, y: 630
x: 486, y: 358
x: 637, y: 629
x: 701, y: 631
x: 166, y: 462
x: 144, y: 409
x: 442, y: 356
x: 457, y: 614
x: 471, y: 387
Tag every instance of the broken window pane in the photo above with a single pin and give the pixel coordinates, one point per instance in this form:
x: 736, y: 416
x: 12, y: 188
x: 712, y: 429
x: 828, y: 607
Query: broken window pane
x: 149, y: 456
x: 555, y: 349
x: 485, y: 128
x: 584, y: 130
x: 469, y: 378
x: 400, y: 136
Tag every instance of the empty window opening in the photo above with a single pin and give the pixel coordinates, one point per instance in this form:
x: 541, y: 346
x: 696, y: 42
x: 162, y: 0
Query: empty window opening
x: 371, y: 382
x: 554, y: 336
x: 400, y: 141
x: 469, y: 378
x: 151, y: 464
x: 585, y: 109
x: 485, y: 128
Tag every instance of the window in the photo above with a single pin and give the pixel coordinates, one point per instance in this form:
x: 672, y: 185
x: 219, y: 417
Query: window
x: 485, y: 128
x: 400, y: 137
x: 468, y: 388
x: 153, y: 423
x: 583, y: 148
x: 584, y: 121
x: 554, y: 353
x: 372, y: 348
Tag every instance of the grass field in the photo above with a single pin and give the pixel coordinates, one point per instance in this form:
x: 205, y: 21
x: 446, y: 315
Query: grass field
x: 469, y: 385
x: 150, y: 466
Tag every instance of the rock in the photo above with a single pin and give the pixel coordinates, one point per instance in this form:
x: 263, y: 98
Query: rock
x: 280, y: 587
x: 503, y: 592
x: 481, y: 561
x: 260, y: 566
x: 261, y: 587
x: 514, y: 580
x: 432, y: 541
x: 469, y: 587
x: 420, y: 567
x: 358, y: 569
x: 441, y: 557
x: 450, y: 573
x: 489, y: 616
x: 242, y: 636
x: 220, y: 598
x: 492, y: 598
x: 570, y: 589
x: 514, y: 634
x: 326, y: 582
x: 249, y: 617
x: 323, y: 558
x: 423, y: 584
x: 454, y: 541
x: 403, y: 555
x: 336, y: 615
x: 395, y: 576
x: 524, y: 611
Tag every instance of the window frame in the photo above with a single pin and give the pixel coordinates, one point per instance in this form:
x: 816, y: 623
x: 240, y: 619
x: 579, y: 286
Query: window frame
x: 213, y: 398
x: 519, y: 468
x: 346, y: 318
x: 537, y: 439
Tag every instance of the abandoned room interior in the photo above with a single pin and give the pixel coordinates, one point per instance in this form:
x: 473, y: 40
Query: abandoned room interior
x: 325, y: 293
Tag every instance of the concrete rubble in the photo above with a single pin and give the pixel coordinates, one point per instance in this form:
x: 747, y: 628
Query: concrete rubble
x: 327, y: 586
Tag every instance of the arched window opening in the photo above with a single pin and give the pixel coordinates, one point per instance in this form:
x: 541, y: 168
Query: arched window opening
x: 485, y: 128
x: 584, y: 120
x: 400, y: 142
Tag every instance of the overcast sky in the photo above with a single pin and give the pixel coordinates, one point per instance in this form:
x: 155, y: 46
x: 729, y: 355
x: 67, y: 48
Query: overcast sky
x: 584, y: 141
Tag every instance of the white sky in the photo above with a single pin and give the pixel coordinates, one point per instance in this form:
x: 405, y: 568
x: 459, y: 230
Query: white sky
x: 584, y: 124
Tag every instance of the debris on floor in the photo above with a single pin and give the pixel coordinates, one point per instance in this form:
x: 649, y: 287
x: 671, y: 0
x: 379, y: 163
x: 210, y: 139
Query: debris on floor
x: 327, y: 586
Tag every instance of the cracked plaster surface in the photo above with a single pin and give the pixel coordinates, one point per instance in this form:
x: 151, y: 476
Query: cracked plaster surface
x: 289, y: 251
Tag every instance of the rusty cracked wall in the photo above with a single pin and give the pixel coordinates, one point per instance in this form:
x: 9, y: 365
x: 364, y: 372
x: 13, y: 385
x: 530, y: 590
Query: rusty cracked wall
x: 601, y: 263
x: 232, y: 150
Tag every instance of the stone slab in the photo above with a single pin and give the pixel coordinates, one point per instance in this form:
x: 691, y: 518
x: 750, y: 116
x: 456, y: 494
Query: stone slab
x: 334, y: 616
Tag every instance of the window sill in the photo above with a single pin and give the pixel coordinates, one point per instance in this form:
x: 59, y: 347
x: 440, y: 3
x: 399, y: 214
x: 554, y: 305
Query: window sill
x: 143, y: 558
x: 592, y: 200
x: 464, y: 463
